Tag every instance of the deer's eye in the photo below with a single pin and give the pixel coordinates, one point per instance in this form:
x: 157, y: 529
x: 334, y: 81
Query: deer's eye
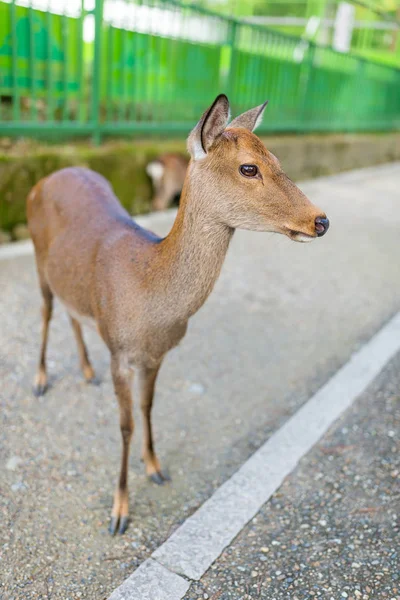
x: 248, y: 170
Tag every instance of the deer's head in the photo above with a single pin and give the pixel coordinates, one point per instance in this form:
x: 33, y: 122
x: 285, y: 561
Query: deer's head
x: 241, y: 183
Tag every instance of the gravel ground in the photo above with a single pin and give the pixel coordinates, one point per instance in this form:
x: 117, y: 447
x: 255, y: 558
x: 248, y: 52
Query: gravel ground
x: 332, y: 529
x: 282, y: 319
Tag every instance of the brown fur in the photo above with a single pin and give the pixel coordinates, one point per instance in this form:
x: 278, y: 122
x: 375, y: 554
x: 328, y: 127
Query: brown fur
x: 137, y: 289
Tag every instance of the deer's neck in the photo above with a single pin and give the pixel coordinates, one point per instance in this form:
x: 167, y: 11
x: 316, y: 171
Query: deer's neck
x: 192, y: 254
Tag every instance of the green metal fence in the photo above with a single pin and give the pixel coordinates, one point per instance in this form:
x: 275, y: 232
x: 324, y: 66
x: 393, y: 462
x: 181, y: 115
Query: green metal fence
x: 371, y: 29
x: 131, y: 66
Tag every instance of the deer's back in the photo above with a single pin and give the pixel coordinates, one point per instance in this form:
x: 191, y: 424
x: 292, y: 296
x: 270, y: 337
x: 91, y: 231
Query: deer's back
x: 75, y: 198
x: 82, y: 234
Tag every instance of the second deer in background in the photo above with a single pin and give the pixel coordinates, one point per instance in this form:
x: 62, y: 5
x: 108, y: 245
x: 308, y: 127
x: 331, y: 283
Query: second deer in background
x: 167, y: 173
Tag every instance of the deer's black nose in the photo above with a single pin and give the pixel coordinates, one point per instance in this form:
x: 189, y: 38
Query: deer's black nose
x: 321, y: 226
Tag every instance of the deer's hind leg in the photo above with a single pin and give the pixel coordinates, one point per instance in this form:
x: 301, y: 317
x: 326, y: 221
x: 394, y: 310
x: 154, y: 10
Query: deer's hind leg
x: 40, y: 381
x: 86, y: 367
x: 147, y: 381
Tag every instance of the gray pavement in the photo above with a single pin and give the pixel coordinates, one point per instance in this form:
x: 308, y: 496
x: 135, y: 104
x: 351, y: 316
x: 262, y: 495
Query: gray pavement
x: 332, y: 529
x: 282, y: 319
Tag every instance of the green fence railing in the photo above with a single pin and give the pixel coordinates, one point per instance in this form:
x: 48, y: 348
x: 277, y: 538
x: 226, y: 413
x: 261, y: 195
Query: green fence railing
x: 368, y: 29
x: 132, y: 66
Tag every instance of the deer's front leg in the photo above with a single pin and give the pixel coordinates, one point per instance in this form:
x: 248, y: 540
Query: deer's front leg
x: 147, y: 381
x: 122, y: 378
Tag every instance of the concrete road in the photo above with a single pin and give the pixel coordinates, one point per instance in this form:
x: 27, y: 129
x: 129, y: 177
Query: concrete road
x: 332, y: 530
x: 282, y: 319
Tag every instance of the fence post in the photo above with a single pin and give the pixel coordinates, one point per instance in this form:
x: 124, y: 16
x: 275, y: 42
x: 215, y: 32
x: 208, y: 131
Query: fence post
x: 14, y: 63
x: 231, y: 74
x: 96, y: 88
x: 307, y: 67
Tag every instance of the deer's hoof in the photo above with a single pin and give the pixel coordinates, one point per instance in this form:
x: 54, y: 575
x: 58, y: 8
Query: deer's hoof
x: 123, y: 525
x: 159, y: 478
x: 93, y: 380
x: 112, y: 528
x: 39, y: 389
x: 118, y: 524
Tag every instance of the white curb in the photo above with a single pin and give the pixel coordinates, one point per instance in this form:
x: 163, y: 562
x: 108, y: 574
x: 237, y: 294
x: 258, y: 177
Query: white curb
x: 198, y: 542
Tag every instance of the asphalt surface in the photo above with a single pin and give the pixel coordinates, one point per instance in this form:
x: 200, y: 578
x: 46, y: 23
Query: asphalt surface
x: 332, y: 529
x: 282, y: 319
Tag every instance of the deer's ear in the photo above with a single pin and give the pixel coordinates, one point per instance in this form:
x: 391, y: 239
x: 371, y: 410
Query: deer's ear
x: 250, y: 119
x: 209, y: 128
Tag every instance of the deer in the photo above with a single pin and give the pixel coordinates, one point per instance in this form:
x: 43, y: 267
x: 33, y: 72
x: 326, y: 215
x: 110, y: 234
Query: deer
x: 167, y: 173
x: 139, y: 290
